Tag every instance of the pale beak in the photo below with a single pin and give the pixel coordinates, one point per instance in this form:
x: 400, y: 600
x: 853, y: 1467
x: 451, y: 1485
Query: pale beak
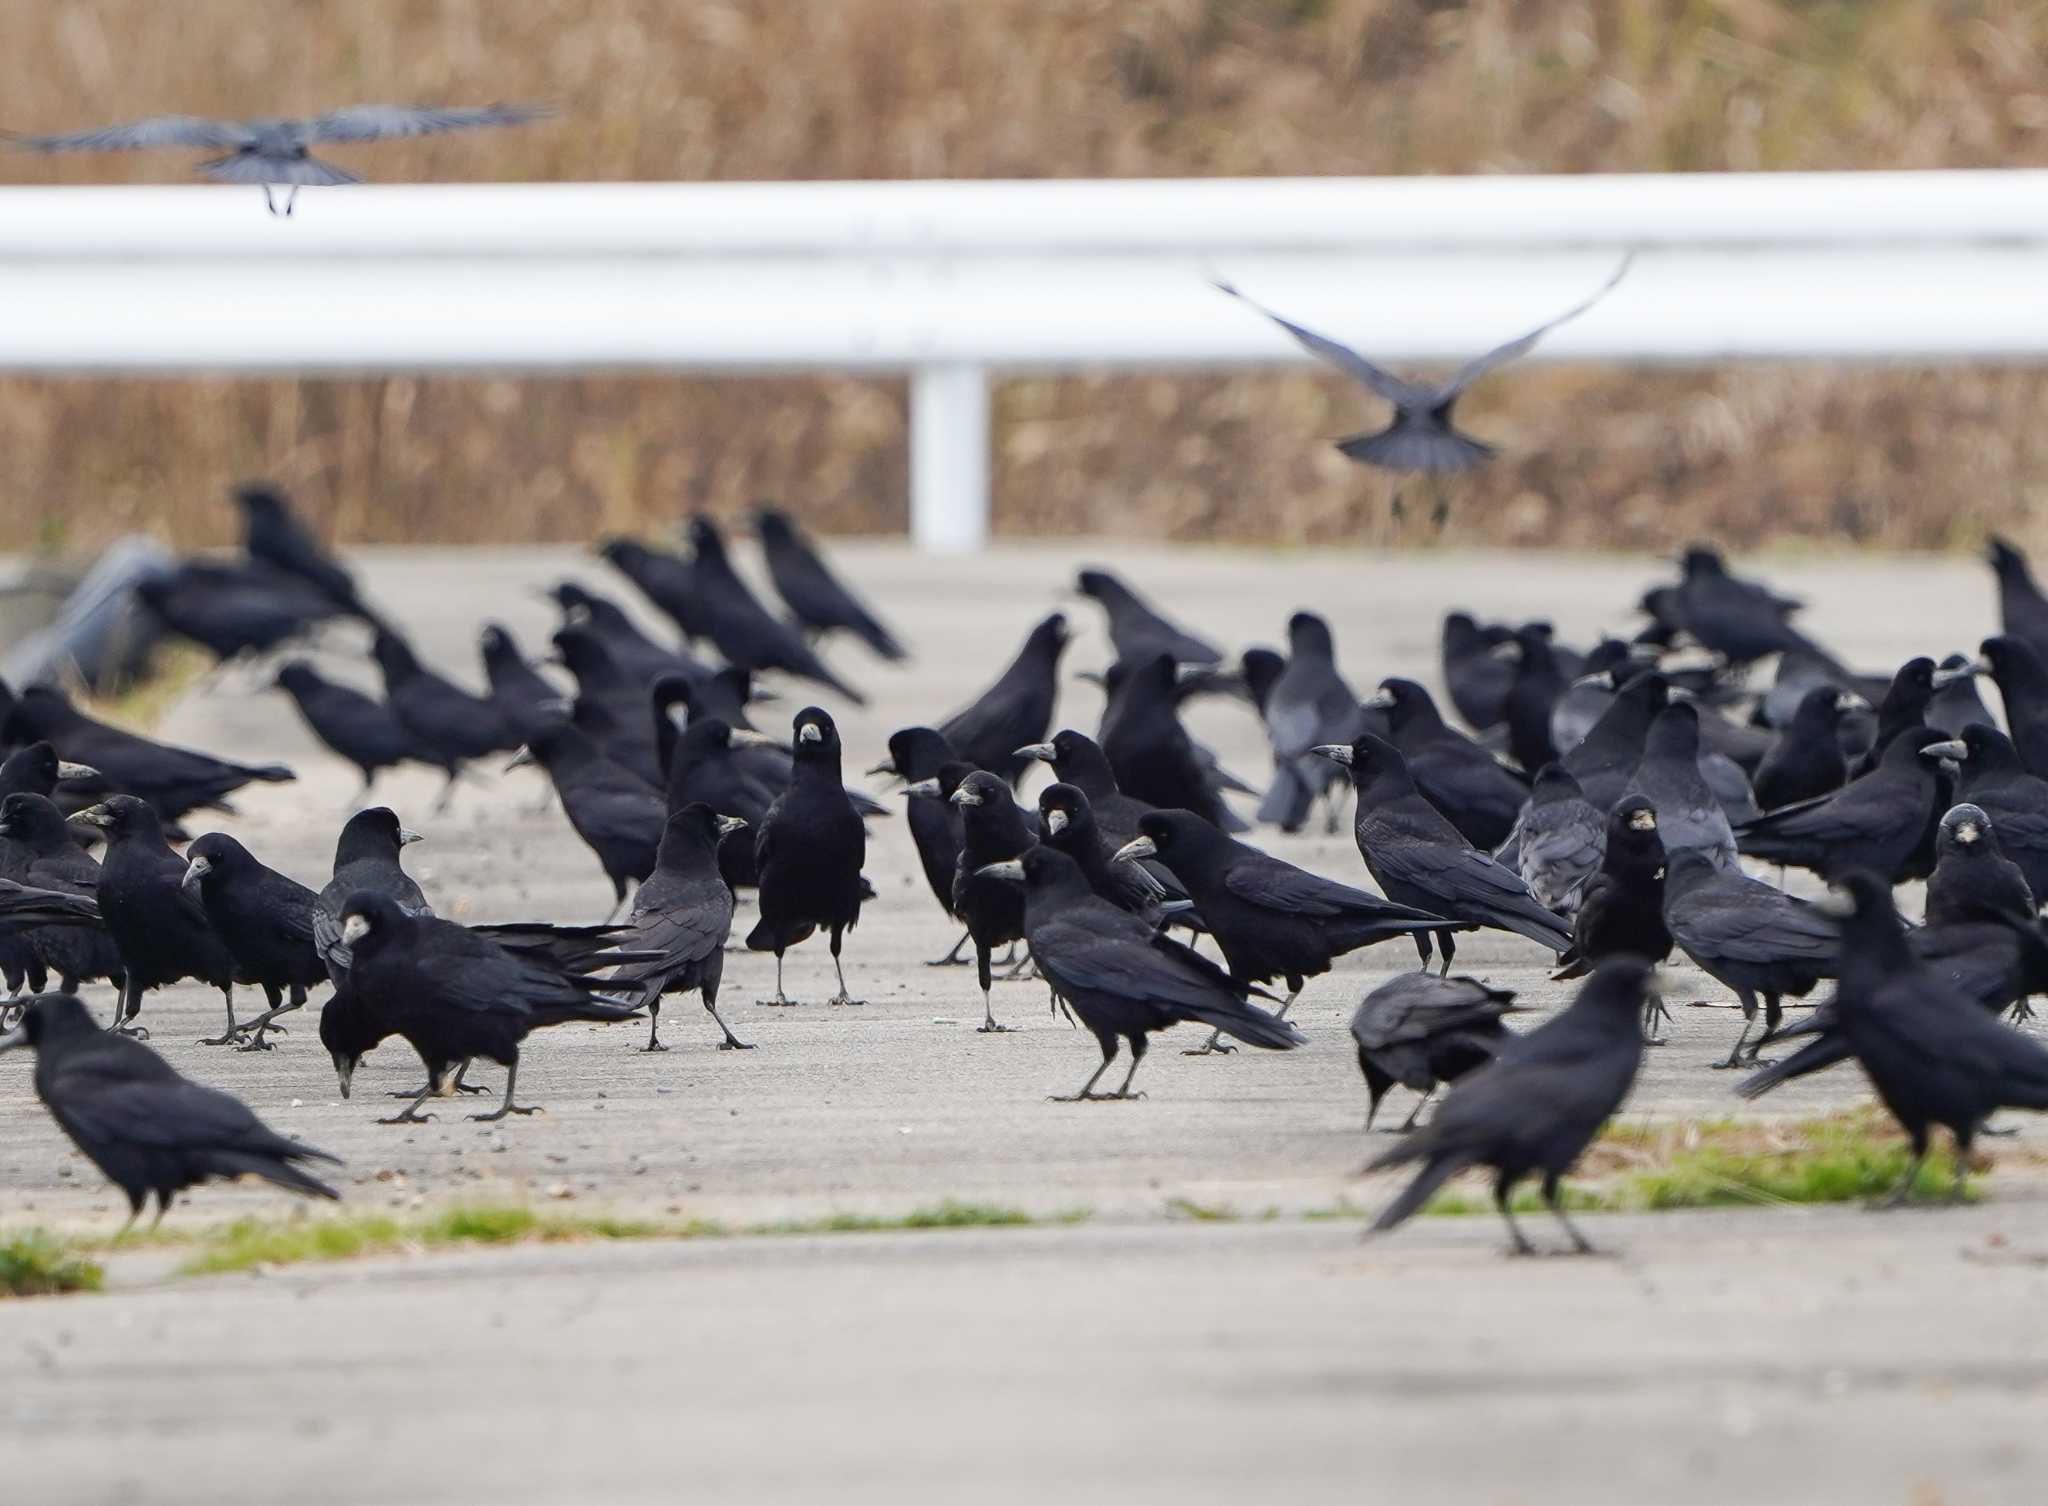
x: 743, y: 737
x: 928, y: 787
x: 1137, y: 847
x: 886, y: 766
x: 355, y: 928
x: 407, y: 836
x: 523, y: 759
x: 76, y: 770
x: 1848, y: 700
x: 1012, y: 869
x: 1946, y: 677
x: 97, y: 815
x: 1379, y: 700
x: 810, y: 732
x: 344, y: 1070
x: 965, y: 796
x: 728, y: 824
x: 1055, y: 822
x: 1956, y: 749
x: 1043, y: 752
x: 1335, y: 752
x: 195, y: 870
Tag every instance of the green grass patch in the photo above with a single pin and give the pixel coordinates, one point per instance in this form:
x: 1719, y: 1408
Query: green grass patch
x: 34, y: 1265
x: 1202, y: 1213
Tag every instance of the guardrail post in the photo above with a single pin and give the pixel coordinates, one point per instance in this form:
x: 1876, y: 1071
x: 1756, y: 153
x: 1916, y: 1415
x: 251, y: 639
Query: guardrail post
x: 949, y: 489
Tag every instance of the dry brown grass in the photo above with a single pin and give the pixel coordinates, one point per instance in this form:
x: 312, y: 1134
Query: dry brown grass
x: 989, y: 88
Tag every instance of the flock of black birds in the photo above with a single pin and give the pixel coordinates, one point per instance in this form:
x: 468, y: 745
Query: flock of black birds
x: 1598, y: 802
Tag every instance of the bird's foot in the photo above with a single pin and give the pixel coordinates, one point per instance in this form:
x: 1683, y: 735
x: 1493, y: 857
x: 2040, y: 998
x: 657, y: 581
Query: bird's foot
x: 990, y: 1027
x: 1522, y: 1247
x: 734, y: 1043
x: 460, y: 1087
x: 133, y: 1032
x: 780, y: 1001
x: 1082, y: 1097
x: 507, y: 1108
x: 256, y: 1042
x: 408, y: 1117
x: 1209, y: 1048
x: 843, y: 998
x: 232, y: 1038
x: 652, y: 1046
x: 948, y: 962
x: 1126, y: 1094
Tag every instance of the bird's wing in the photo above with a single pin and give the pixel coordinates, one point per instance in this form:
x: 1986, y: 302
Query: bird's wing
x: 1343, y: 357
x: 1079, y: 951
x: 1500, y: 355
x: 1282, y: 886
x: 98, y: 1100
x: 142, y: 135
x: 1756, y: 929
x: 381, y: 122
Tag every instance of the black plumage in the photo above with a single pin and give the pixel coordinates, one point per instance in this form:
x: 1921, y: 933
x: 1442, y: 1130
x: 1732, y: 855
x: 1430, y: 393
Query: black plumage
x: 1747, y: 936
x: 1122, y: 978
x: 1688, y: 813
x: 1738, y: 619
x: 173, y: 780
x: 2021, y: 676
x: 34, y: 833
x: 272, y: 533
x: 152, y: 1132
x: 618, y: 815
x: 1539, y: 682
x: 809, y: 854
x: 1149, y: 750
x: 1973, y: 880
x: 916, y: 756
x: 2022, y: 609
x: 1876, y: 822
x: 1419, y: 859
x: 1459, y: 777
x: 1136, y: 629
x: 1607, y: 758
x: 1419, y: 1032
x: 749, y: 636
x: 1908, y: 702
x: 1475, y: 673
x: 1537, y: 1106
x: 667, y: 580
x: 1308, y: 705
x: 2015, y: 800
x: 159, y: 927
x: 993, y: 829
x: 1560, y: 840
x: 451, y: 726
x: 353, y: 726
x: 682, y: 916
x: 1016, y: 709
x: 709, y: 766
x: 365, y: 861
x: 452, y: 993
x: 816, y: 597
x: 1066, y: 820
x: 1621, y: 912
x: 264, y: 919
x: 234, y: 609
x: 524, y: 699
x: 1806, y: 761
x: 1077, y: 759
x: 1955, y: 703
x: 612, y: 707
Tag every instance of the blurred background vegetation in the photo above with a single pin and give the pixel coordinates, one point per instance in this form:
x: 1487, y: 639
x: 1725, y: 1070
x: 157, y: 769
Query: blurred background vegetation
x: 793, y: 89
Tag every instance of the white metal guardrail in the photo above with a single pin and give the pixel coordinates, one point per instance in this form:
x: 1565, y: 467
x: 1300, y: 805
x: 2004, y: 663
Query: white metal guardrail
x: 955, y: 282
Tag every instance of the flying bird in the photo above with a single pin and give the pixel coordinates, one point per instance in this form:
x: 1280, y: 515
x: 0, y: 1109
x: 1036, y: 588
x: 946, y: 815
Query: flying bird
x: 1422, y: 436
x: 279, y: 153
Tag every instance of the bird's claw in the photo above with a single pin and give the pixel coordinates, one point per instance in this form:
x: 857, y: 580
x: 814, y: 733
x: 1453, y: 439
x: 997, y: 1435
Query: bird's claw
x: 851, y: 1003
x: 733, y: 1045
x: 232, y: 1038
x: 408, y: 1117
x: 992, y: 1028
x: 1214, y: 1048
x: 780, y: 1001
x: 651, y: 1047
x: 507, y: 1108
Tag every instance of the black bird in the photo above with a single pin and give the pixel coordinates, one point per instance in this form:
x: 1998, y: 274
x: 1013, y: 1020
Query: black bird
x: 365, y: 860
x: 1973, y: 880
x: 356, y: 727
x: 1077, y: 759
x: 452, y: 993
x: 264, y: 919
x: 681, y: 916
x: 1748, y: 937
x: 667, y: 580
x: 1124, y: 979
x: 2021, y: 676
x: 818, y: 600
x: 51, y: 859
x: 27, y: 912
x: 1874, y: 822
x: 638, y: 656
x: 451, y: 726
x: 612, y: 707
x: 1806, y: 761
x: 1621, y: 910
x: 916, y: 755
x: 1308, y: 705
x: 1421, y: 1032
x: 159, y: 927
x: 1478, y: 678
x: 745, y: 632
x: 1459, y: 777
x: 279, y: 153
x: 2014, y: 800
x: 617, y: 814
x: 273, y: 534
x: 1606, y: 759
x: 1738, y: 619
x: 1136, y: 630
x: 1955, y: 703
x: 1538, y: 684
x: 1908, y: 701
x: 1016, y: 710
x: 1932, y: 1057
x: 1270, y: 918
x: 1581, y: 703
x: 149, y: 1130
x: 523, y: 698
x: 809, y: 854
x: 1419, y: 859
x: 708, y: 767
x: 1561, y: 841
x: 173, y: 780
x: 1149, y: 750
x: 233, y: 610
x: 1669, y: 777
x: 993, y: 829
x: 35, y: 769
x: 2022, y: 609
x: 1423, y: 436
x: 1066, y: 820
x: 1537, y: 1106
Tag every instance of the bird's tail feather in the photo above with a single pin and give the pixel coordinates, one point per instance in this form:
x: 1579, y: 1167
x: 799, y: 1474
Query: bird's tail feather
x: 1439, y: 1170
x: 272, y: 773
x: 1253, y: 1026
x: 278, y: 1171
x: 1810, y: 1058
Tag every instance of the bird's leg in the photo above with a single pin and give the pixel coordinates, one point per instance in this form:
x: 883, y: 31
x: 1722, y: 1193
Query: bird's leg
x: 1137, y: 1055
x: 1653, y: 1010
x: 447, y: 795
x: 126, y: 1007
x: 262, y: 1022
x: 842, y: 997
x: 1087, y: 1088
x: 1214, y: 1043
x: 1287, y: 1003
x: 1962, y: 1152
x: 508, y: 1106
x: 624, y: 905
x: 234, y: 1031
x: 355, y: 801
x: 457, y: 1086
x: 1422, y: 949
x: 731, y: 1041
x: 781, y: 999
x: 1903, y: 1193
x: 1023, y: 969
x: 1502, y: 1186
x: 988, y: 1024
x: 953, y: 958
x: 1449, y: 949
x: 291, y: 200
x: 1748, y: 1020
x: 1416, y: 1113
x: 411, y: 1114
x: 2022, y: 1010
x: 1555, y: 1203
x: 654, y: 1028
x: 1774, y: 1016
x: 1009, y: 957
